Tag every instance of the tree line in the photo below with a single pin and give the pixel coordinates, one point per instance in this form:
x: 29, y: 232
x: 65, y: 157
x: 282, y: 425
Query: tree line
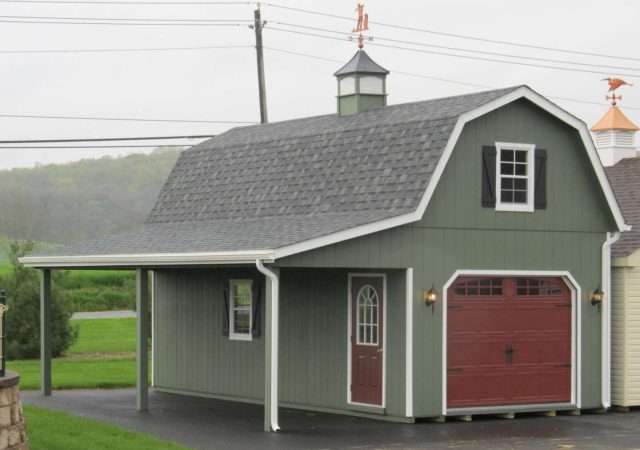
x: 65, y: 203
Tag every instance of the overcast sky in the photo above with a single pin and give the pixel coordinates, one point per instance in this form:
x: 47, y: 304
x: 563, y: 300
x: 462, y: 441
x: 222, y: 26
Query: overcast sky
x: 220, y: 84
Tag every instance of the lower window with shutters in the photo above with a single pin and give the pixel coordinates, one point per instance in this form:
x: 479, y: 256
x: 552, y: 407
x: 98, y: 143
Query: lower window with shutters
x: 240, y: 309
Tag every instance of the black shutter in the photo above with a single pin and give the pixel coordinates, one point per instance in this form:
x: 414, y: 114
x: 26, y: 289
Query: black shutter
x: 540, y: 193
x: 225, y: 313
x: 257, y: 310
x: 488, y: 176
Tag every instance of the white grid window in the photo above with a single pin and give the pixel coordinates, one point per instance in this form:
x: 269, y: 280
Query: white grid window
x: 240, y: 310
x: 515, y: 177
x: 368, y: 316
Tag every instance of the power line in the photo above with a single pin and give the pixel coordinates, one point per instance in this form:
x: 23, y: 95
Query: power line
x: 124, y: 3
x: 446, y: 80
x: 124, y: 19
x: 422, y: 44
x: 129, y: 24
x: 151, y: 138
x: 394, y: 71
x: 476, y: 58
x: 125, y: 119
x: 117, y: 50
x: 459, y: 36
x: 31, y: 147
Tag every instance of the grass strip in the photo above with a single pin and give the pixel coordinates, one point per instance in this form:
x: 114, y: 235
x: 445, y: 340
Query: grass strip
x: 78, y: 373
x: 55, y: 430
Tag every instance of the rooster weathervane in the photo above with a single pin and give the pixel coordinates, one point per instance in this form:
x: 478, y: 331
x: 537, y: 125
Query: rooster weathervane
x: 615, y: 83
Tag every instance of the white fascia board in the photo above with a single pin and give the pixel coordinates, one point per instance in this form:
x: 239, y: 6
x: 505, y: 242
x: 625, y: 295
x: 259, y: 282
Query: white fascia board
x: 149, y: 260
x: 417, y: 214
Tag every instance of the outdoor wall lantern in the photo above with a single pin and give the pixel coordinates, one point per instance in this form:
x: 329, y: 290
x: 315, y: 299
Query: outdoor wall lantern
x: 430, y: 297
x: 597, y: 296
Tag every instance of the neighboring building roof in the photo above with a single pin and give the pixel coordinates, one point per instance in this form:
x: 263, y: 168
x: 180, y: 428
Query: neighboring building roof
x: 287, y: 187
x: 625, y: 181
x: 361, y: 63
x: 614, y: 119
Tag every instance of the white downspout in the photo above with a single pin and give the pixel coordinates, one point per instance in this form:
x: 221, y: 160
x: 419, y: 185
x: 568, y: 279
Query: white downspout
x: 606, y: 318
x: 274, y: 341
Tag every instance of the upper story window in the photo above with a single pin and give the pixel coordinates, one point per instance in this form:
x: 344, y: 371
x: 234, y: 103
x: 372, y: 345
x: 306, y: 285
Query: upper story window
x: 240, y: 310
x: 515, y: 177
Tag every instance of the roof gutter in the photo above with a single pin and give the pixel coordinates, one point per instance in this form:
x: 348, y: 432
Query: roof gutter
x: 606, y: 318
x: 148, y: 259
x: 272, y: 394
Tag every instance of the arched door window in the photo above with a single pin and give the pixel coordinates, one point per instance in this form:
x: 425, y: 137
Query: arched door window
x: 368, y: 316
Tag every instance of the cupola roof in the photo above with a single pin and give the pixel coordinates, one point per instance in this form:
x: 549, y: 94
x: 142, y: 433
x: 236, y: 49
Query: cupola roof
x: 361, y: 63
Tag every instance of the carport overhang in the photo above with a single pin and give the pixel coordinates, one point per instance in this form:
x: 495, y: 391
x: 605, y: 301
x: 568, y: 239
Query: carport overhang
x: 142, y: 264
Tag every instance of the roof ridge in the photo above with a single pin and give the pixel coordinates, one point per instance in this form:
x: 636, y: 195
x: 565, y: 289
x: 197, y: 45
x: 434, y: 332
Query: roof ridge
x: 389, y: 108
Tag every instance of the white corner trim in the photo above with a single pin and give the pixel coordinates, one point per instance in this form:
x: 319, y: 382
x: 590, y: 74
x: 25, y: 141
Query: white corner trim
x: 149, y: 259
x: 576, y: 335
x: 416, y: 215
x: 606, y: 318
x: 275, y: 305
x: 409, y: 344
x: 153, y: 328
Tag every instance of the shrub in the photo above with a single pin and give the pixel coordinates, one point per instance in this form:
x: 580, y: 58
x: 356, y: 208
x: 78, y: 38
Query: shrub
x: 23, y: 317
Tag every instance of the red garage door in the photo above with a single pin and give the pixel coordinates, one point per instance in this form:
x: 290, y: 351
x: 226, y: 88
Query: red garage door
x: 508, y: 341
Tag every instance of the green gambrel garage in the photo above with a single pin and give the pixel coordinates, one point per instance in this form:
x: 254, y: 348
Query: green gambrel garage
x: 428, y: 259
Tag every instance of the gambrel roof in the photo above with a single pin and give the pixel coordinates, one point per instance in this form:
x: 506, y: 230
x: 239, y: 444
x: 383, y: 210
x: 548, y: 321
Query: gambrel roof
x: 271, y: 190
x: 625, y: 181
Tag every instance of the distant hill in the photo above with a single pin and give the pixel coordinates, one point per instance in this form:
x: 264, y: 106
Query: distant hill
x: 81, y: 200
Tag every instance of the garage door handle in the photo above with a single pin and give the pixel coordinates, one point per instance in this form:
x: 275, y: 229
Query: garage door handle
x: 509, y: 353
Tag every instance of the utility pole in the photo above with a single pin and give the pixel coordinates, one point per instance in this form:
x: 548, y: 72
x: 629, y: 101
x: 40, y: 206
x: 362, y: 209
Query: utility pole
x: 257, y: 26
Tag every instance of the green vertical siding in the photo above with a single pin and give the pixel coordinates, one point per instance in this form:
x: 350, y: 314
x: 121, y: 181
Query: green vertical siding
x: 457, y: 233
x: 190, y: 352
x: 192, y: 355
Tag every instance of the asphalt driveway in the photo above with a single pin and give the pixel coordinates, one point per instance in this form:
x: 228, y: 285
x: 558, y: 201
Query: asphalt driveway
x: 214, y: 424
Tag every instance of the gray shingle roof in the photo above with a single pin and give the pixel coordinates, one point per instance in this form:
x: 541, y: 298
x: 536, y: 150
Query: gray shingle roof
x: 265, y: 186
x: 625, y: 182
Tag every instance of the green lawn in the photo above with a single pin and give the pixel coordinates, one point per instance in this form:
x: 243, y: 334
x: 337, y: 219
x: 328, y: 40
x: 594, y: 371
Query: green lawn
x: 103, y: 357
x: 53, y: 430
x: 5, y: 269
x: 68, y: 373
x: 105, y: 336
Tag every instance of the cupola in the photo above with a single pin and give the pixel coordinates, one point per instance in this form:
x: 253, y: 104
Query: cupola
x: 615, y: 137
x: 362, y: 85
x: 614, y: 134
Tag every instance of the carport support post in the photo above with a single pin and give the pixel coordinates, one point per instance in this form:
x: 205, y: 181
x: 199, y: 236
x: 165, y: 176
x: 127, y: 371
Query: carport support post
x: 45, y: 332
x: 142, y: 336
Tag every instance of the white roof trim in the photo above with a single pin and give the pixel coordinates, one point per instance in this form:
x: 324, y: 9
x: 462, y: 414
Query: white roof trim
x: 249, y: 257
x: 418, y: 213
x: 150, y: 259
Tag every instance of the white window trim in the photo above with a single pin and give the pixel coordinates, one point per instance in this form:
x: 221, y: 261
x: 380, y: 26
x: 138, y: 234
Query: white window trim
x: 232, y: 334
x: 516, y: 207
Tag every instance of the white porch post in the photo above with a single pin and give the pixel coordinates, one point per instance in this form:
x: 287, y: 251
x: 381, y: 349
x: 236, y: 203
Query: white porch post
x: 142, y: 333
x: 270, y: 347
x: 45, y: 332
